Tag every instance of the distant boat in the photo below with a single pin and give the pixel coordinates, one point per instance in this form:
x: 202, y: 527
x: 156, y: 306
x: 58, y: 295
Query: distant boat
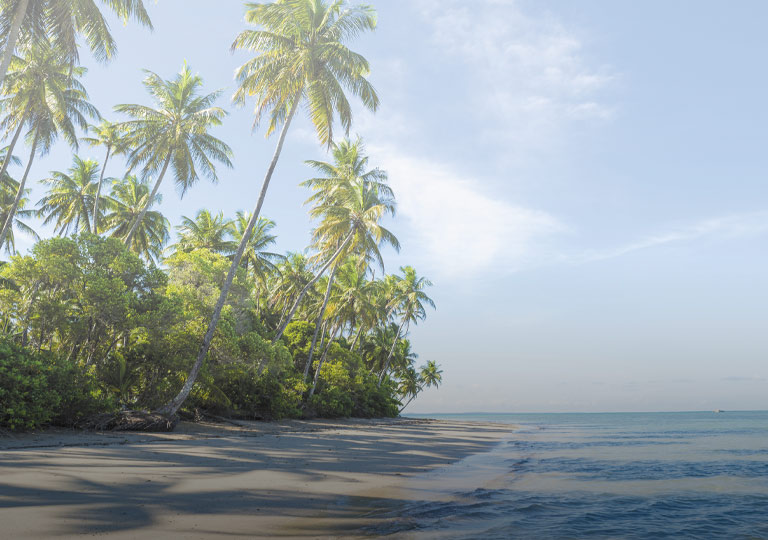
x: 718, y: 411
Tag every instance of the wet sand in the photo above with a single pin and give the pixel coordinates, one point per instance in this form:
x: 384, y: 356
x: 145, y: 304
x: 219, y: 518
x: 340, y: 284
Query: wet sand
x: 295, y: 479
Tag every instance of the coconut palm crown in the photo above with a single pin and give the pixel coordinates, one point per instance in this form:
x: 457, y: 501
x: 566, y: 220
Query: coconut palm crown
x: 302, y: 55
x: 175, y: 134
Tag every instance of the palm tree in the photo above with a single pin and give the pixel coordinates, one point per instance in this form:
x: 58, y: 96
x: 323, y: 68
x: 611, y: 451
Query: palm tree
x: 431, y: 374
x: 301, y: 57
x: 256, y: 257
x: 175, y: 133
x: 107, y: 135
x: 355, y: 298
x: 62, y: 22
x: 44, y: 93
x: 8, y: 189
x: 350, y: 201
x: 205, y: 231
x: 409, y: 302
x: 376, y: 345
x: 69, y: 201
x: 412, y: 383
x: 130, y: 198
x: 351, y: 208
x: 293, y: 274
x: 409, y: 386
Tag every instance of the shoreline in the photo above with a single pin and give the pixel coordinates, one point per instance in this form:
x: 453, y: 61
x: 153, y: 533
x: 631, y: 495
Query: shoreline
x: 293, y: 479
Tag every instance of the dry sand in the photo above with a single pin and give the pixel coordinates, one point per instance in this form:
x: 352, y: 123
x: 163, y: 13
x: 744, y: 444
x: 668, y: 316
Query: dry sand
x: 297, y: 479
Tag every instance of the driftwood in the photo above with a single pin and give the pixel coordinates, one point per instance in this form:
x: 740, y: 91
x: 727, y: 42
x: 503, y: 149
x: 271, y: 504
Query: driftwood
x: 130, y: 421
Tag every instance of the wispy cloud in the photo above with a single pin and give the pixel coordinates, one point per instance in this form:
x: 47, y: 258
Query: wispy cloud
x: 737, y: 379
x: 750, y: 224
x: 456, y: 227
x: 531, y: 74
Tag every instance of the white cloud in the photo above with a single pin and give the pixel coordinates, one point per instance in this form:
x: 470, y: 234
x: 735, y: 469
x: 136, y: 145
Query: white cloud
x: 456, y: 227
x: 531, y: 74
x: 733, y: 226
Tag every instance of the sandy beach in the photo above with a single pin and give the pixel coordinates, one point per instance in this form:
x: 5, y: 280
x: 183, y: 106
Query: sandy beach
x: 295, y: 479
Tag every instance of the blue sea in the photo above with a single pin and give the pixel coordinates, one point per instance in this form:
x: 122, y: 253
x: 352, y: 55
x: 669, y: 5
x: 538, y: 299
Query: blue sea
x: 619, y: 475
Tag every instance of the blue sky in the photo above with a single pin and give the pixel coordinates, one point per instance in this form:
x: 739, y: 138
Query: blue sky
x: 583, y: 181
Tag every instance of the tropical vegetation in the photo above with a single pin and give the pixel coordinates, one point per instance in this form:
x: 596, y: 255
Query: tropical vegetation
x: 109, y: 314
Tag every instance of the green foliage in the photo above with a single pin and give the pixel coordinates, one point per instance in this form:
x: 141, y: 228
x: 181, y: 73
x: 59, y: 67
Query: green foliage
x: 39, y: 388
x: 79, y: 391
x: 238, y: 390
x: 334, y: 398
x: 25, y: 401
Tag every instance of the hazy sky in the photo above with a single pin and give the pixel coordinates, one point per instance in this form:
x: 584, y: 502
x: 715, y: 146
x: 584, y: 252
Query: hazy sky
x: 584, y: 182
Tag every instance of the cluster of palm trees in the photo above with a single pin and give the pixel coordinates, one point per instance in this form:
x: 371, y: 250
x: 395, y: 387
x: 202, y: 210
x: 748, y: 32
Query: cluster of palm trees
x: 300, y: 59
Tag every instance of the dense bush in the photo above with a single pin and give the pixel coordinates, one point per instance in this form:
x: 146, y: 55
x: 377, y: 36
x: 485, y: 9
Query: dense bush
x: 38, y: 389
x: 25, y: 400
x: 79, y: 391
x: 238, y: 390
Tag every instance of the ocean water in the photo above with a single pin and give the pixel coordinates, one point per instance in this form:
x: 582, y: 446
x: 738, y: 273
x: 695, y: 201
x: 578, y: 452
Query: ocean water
x: 622, y: 475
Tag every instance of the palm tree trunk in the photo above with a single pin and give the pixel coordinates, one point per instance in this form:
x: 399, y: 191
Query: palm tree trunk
x: 407, y: 403
x: 12, y: 145
x: 19, y: 194
x: 323, y: 335
x: 13, y: 37
x: 320, y: 316
x: 140, y: 217
x: 98, y: 194
x: 171, y: 407
x: 308, y: 286
x: 391, y: 351
x: 322, y: 361
x: 357, y: 336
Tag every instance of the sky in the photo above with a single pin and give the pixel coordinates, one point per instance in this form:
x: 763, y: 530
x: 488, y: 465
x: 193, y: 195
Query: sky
x: 583, y: 182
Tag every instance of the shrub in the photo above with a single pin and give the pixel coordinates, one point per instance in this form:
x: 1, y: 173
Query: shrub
x: 26, y: 402
x: 80, y: 395
x: 236, y: 389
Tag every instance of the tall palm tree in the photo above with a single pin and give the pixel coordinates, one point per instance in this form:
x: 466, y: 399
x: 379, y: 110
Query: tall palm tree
x: 355, y: 297
x: 351, y: 205
x: 431, y: 374
x: 411, y: 383
x: 351, y: 202
x: 205, y: 231
x: 129, y: 198
x: 376, y: 345
x: 62, y: 22
x: 69, y: 202
x: 44, y: 94
x: 8, y: 189
x: 109, y: 136
x: 410, y: 304
x: 293, y: 274
x: 301, y: 57
x: 175, y: 134
x: 256, y: 258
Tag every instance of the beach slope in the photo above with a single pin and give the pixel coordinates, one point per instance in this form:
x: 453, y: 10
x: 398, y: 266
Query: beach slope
x: 296, y: 479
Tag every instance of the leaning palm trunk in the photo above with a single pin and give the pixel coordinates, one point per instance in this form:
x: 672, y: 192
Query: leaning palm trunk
x: 173, y: 406
x: 98, y: 194
x: 391, y: 351
x: 308, y: 286
x: 323, y: 335
x: 357, y: 336
x: 13, y: 37
x: 322, y: 361
x: 12, y: 145
x: 12, y: 210
x: 407, y: 403
x: 140, y: 217
x: 320, y: 316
